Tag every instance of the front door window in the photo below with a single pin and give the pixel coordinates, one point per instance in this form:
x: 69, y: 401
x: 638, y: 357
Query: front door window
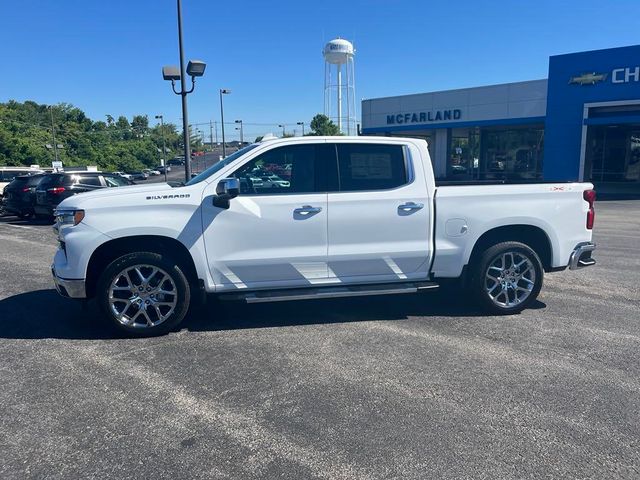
x: 285, y: 170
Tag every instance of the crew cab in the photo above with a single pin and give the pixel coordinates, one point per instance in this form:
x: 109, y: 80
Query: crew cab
x: 352, y: 216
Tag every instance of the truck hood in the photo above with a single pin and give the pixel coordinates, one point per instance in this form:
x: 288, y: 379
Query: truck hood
x: 76, y: 201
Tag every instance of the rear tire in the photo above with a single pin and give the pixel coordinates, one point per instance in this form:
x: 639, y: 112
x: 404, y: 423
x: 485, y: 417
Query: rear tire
x: 507, y: 278
x: 144, y: 294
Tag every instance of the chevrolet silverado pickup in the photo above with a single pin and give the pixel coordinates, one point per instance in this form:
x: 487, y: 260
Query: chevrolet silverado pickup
x: 339, y: 216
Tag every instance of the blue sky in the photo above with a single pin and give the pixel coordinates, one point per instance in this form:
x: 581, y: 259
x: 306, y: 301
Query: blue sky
x: 106, y: 56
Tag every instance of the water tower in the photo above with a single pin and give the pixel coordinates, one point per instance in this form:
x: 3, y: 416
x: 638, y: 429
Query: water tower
x: 340, y: 92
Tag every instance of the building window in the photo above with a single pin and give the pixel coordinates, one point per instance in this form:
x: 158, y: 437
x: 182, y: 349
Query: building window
x: 613, y: 153
x: 464, y: 153
x: 511, y: 154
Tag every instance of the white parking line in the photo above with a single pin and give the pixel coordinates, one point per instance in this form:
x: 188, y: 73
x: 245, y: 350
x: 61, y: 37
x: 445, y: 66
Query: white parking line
x: 17, y: 226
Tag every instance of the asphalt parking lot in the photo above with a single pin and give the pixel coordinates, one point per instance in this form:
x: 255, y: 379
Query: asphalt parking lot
x: 408, y: 387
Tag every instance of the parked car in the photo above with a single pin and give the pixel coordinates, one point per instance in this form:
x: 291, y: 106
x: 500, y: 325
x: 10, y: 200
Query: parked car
x: 176, y: 162
x: 19, y: 195
x: 122, y: 174
x: 150, y: 172
x: 361, y: 216
x: 7, y: 174
x: 274, y: 181
x: 56, y: 187
x: 137, y: 175
x: 161, y: 168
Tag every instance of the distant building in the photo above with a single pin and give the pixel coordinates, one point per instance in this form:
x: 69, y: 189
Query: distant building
x: 582, y: 123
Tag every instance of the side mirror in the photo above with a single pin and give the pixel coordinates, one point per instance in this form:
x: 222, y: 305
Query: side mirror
x: 226, y: 189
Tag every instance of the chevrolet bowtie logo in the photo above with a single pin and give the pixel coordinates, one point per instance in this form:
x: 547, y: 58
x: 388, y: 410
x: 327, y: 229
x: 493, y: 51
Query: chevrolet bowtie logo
x: 588, y: 78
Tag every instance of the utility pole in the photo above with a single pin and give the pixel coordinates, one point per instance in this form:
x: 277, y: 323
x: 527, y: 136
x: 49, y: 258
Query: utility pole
x: 211, y: 133
x: 223, y: 91
x: 241, y: 132
x: 53, y: 133
x: 164, y: 147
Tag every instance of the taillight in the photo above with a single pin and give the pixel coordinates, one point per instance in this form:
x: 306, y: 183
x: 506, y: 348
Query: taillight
x: 56, y: 190
x: 590, y: 196
x: 25, y: 190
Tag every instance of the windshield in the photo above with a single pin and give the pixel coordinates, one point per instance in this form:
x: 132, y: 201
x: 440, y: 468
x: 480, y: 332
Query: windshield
x: 216, y: 167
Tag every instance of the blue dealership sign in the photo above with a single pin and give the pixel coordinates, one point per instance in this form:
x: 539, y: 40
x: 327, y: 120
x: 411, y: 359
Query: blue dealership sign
x: 575, y: 80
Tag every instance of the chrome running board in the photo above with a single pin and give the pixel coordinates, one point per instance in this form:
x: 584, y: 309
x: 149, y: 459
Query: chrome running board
x: 312, y: 293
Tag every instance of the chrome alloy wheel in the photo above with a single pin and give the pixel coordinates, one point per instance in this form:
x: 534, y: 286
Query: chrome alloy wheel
x: 510, y: 279
x: 142, y: 296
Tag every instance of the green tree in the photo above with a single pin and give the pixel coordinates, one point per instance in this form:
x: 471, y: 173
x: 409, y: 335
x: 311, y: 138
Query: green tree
x: 124, y: 128
x: 26, y: 138
x: 322, y: 125
x: 140, y: 125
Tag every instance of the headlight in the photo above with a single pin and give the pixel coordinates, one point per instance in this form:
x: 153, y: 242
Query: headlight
x: 69, y: 217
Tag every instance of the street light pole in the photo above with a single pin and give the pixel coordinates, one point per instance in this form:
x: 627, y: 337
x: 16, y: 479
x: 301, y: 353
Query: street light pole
x: 241, y: 132
x: 283, y: 132
x: 223, y: 91
x: 164, y: 148
x: 301, y: 124
x: 183, y: 94
x: 194, y: 69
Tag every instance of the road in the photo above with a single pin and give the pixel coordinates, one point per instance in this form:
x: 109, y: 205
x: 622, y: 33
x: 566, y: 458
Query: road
x: 410, y: 387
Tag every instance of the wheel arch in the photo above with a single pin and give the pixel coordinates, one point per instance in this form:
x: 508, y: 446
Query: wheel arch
x: 112, y: 249
x: 531, y: 235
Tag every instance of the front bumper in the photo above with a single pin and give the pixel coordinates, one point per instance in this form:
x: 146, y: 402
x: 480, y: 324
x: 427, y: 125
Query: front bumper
x: 70, y: 288
x: 581, y: 256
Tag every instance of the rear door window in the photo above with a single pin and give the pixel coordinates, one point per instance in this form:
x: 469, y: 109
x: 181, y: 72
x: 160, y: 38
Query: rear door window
x: 90, y: 181
x: 116, y: 181
x: 367, y: 167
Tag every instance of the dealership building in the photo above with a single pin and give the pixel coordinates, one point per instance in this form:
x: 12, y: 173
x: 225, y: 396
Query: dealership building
x: 582, y: 123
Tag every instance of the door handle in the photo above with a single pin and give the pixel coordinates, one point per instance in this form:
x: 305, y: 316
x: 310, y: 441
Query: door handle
x: 307, y: 210
x: 410, y: 206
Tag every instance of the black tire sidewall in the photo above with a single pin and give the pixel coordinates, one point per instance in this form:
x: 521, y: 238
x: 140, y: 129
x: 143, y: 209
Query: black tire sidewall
x: 481, y: 266
x: 147, y: 258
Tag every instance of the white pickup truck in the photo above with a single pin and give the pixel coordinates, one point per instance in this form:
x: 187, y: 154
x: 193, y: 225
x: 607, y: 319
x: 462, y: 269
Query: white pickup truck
x: 339, y: 216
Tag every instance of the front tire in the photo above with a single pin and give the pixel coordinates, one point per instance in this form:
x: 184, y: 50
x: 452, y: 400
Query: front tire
x: 144, y: 294
x: 507, y: 278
